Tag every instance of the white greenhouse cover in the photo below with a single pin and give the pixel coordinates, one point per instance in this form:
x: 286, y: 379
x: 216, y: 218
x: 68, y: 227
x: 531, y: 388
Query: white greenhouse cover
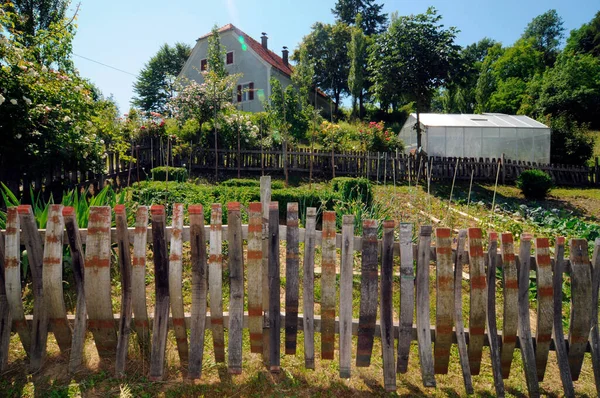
x: 488, y: 135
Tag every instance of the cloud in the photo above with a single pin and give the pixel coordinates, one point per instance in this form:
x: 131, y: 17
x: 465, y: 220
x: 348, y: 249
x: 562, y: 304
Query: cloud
x: 233, y: 11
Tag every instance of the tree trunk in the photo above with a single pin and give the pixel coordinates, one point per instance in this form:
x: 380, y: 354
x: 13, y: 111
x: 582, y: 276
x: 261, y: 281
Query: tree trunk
x: 285, y: 165
x: 361, y: 106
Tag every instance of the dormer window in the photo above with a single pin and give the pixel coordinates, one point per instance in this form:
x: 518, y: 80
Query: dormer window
x: 229, y: 58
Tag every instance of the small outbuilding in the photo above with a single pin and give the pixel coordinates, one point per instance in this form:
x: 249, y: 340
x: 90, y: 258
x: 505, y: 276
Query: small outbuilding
x: 488, y: 135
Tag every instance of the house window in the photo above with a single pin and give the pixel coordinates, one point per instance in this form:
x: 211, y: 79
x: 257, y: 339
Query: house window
x: 245, y: 92
x: 203, y: 65
x: 229, y: 58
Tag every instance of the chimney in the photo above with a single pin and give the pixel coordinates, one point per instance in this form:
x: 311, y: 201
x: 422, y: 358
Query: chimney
x: 263, y: 40
x: 284, y: 54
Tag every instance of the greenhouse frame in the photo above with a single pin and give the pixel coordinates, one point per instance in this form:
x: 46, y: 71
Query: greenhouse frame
x: 488, y: 135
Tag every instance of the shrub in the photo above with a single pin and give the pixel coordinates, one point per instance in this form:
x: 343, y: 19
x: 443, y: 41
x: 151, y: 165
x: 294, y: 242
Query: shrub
x: 534, y: 184
x: 178, y: 174
x: 352, y: 189
x: 246, y: 182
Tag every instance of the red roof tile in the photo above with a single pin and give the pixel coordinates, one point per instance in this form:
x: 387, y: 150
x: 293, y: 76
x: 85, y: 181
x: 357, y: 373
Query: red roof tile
x: 269, y: 56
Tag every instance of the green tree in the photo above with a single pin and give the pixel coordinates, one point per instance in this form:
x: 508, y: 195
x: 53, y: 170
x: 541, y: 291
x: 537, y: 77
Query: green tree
x: 327, y: 49
x: 586, y: 39
x: 215, y: 54
x: 415, y: 57
x: 546, y: 31
x: 303, y: 74
x: 155, y: 84
x: 505, y: 74
x: 571, y: 87
x: 357, y: 52
x: 35, y: 16
x: 373, y: 21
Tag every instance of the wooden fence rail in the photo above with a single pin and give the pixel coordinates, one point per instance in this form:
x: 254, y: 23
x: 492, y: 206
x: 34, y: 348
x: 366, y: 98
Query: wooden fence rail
x: 433, y: 247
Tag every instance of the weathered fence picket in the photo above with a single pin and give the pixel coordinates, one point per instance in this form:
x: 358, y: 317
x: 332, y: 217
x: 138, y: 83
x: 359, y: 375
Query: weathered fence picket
x: 33, y: 244
x: 126, y: 289
x: 161, y: 284
x: 175, y: 286
x: 78, y: 265
x: 92, y: 278
x: 199, y: 290
x: 368, y: 295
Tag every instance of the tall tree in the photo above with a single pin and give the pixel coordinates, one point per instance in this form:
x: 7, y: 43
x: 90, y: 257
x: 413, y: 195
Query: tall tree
x: 415, y: 57
x: 215, y: 57
x: 303, y: 75
x: 36, y: 15
x: 373, y: 21
x: 585, y: 40
x: 327, y: 49
x: 155, y: 84
x: 546, y: 31
x: 357, y: 52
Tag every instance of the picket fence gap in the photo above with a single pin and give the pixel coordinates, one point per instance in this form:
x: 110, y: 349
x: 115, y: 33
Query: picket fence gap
x: 381, y: 261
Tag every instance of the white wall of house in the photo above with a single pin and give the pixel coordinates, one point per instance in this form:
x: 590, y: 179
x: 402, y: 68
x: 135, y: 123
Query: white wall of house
x: 246, y: 62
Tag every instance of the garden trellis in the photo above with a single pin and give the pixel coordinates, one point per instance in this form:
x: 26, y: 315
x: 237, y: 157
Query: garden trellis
x: 253, y: 261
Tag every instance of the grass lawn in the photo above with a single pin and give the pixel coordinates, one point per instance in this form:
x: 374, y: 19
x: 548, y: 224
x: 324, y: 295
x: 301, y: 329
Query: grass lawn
x: 97, y: 380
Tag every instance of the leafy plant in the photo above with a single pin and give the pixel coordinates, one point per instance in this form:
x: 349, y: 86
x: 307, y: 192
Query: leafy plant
x: 351, y: 189
x: 166, y: 173
x: 535, y: 184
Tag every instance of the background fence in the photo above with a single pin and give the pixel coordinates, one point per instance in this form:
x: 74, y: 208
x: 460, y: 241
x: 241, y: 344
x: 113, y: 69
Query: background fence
x: 254, y: 275
x: 376, y: 166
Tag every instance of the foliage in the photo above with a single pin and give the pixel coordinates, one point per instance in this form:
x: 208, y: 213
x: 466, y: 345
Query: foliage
x: 414, y: 57
x: 41, y: 27
x: 375, y: 137
x: 331, y: 137
x: 155, y: 192
x: 546, y: 30
x: 303, y: 74
x: 373, y: 21
x: 572, y: 87
x: 246, y: 182
x: 166, y: 173
x: 45, y: 113
x: 200, y: 101
x: 571, y: 142
x: 215, y: 54
x: 586, y: 39
x: 357, y: 52
x: 239, y: 124
x: 155, y: 84
x: 534, y: 184
x: 287, y: 115
x: 327, y: 48
x: 351, y: 189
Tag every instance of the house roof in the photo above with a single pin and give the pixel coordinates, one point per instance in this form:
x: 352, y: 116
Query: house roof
x: 478, y: 120
x: 269, y: 56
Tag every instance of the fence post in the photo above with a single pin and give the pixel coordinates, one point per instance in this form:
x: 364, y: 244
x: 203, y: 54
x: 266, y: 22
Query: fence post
x: 265, y: 200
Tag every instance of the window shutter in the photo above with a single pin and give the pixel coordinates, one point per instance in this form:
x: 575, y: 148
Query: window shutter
x: 230, y: 58
x: 251, y: 91
x: 239, y: 93
x: 203, y: 64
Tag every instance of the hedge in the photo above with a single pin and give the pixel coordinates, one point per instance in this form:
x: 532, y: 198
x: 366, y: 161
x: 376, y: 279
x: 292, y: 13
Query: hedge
x: 175, y: 174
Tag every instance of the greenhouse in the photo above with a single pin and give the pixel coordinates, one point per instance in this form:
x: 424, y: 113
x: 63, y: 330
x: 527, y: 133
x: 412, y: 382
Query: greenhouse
x: 488, y: 135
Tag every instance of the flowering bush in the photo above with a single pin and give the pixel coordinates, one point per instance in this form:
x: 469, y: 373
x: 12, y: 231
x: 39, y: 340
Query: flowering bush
x: 46, y: 109
x: 375, y: 137
x: 331, y: 136
x: 238, y: 122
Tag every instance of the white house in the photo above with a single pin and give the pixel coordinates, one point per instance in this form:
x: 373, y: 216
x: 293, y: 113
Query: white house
x: 254, y: 61
x: 488, y: 135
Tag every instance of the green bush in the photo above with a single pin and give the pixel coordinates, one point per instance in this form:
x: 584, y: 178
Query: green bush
x: 534, y: 184
x: 246, y: 182
x: 175, y: 174
x: 352, y: 189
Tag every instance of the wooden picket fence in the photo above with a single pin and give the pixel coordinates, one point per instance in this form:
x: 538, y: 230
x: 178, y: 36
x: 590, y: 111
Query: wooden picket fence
x: 262, y: 270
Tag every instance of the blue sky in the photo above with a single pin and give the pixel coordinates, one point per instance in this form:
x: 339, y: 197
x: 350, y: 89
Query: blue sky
x: 125, y: 34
